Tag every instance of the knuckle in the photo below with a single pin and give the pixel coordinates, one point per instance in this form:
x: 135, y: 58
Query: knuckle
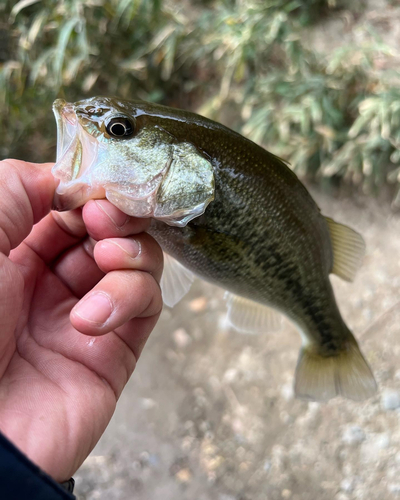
x: 152, y: 250
x: 150, y: 290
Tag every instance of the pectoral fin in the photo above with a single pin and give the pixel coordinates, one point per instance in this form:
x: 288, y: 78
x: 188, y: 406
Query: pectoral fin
x: 175, y: 282
x: 348, y: 250
x: 250, y: 317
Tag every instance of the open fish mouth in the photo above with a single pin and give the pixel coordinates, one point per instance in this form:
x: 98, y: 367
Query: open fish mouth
x: 66, y: 125
x: 77, y: 152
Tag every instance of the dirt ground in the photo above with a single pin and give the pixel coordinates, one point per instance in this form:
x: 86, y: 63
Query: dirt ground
x: 210, y: 415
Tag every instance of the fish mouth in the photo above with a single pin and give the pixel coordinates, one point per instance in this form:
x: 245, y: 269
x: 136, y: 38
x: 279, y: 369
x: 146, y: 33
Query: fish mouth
x: 66, y: 125
x: 77, y: 151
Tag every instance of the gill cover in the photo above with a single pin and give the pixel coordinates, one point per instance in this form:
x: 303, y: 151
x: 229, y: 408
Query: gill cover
x: 147, y: 175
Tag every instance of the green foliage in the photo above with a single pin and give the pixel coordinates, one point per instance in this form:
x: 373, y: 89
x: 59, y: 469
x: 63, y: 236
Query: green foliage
x: 243, y: 62
x: 75, y: 48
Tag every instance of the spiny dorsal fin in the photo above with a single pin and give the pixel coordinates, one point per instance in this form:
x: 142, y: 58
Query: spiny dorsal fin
x: 175, y: 282
x: 250, y: 317
x: 348, y: 250
x: 347, y: 374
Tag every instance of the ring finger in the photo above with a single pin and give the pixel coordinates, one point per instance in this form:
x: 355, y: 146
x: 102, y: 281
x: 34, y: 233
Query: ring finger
x: 140, y: 252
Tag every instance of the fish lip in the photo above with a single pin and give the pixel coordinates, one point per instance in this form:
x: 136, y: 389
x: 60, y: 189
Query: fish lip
x: 58, y: 205
x: 64, y: 114
x: 75, y: 150
x: 76, y: 153
x: 75, y: 198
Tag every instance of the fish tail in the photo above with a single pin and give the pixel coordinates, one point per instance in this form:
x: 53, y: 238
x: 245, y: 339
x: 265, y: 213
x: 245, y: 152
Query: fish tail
x: 320, y: 377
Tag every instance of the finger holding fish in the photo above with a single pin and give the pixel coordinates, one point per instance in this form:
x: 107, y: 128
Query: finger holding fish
x: 104, y: 220
x: 84, y: 265
x: 118, y: 298
x: 140, y: 252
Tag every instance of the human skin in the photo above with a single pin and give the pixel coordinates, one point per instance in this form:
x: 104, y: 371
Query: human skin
x: 79, y: 296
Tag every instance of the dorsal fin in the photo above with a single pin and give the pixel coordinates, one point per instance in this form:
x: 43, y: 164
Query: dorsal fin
x: 175, y: 282
x: 348, y: 250
x: 250, y: 317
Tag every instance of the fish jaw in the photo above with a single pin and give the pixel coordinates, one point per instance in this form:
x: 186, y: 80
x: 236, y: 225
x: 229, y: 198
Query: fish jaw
x: 77, y: 153
x: 82, y: 194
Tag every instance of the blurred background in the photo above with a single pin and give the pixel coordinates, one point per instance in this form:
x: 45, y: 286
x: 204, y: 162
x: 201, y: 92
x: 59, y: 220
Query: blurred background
x: 210, y: 413
x: 317, y: 79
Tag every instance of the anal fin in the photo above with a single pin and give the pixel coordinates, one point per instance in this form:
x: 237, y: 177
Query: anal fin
x: 175, y: 282
x: 248, y: 316
x: 348, y: 250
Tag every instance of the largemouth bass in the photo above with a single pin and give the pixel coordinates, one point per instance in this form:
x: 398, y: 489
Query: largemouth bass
x: 226, y: 210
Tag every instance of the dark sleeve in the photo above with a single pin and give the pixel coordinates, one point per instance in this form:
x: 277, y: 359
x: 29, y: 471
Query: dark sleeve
x: 22, y: 479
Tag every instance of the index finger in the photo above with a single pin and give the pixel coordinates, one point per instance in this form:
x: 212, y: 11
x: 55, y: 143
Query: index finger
x: 104, y: 220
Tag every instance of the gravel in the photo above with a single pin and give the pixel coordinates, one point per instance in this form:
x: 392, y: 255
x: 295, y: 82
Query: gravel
x: 391, y: 399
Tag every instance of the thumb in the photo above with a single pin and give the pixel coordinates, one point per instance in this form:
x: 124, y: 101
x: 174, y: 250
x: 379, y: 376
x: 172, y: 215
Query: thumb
x: 26, y: 194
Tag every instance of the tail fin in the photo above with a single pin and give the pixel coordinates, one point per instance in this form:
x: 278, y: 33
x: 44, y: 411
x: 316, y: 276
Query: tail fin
x: 346, y: 374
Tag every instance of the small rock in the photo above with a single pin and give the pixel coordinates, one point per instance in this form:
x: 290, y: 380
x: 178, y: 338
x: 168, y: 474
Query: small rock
x: 153, y: 460
x: 181, y: 338
x: 183, y: 475
x: 285, y: 417
x: 394, y: 488
x: 313, y: 407
x: 223, y: 322
x: 286, y: 493
x: 341, y: 496
x: 347, y: 485
x: 390, y: 399
x: 198, y: 305
x: 230, y: 375
x: 148, y: 403
x: 328, y: 485
x: 287, y: 391
x: 382, y: 441
x: 371, y: 449
x: 353, y: 434
x: 223, y: 496
x: 267, y: 465
x: 96, y: 459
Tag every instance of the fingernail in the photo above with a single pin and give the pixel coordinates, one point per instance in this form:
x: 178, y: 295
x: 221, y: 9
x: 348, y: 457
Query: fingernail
x: 116, y: 216
x: 131, y: 247
x: 95, y: 308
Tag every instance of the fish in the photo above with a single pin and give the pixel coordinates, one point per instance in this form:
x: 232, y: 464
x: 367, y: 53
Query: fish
x: 228, y: 211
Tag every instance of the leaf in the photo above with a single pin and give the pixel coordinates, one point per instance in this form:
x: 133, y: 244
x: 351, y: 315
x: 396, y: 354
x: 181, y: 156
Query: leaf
x: 20, y: 6
x: 62, y: 43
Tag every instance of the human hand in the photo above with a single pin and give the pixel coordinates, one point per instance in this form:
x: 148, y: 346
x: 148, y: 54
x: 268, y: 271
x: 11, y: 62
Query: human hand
x: 59, y: 387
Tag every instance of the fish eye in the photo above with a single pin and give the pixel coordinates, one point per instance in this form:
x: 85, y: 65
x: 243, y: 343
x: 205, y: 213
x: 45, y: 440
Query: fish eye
x: 120, y: 127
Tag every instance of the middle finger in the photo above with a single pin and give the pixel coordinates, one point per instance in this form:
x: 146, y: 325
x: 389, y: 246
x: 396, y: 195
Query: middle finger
x: 83, y: 266
x: 140, y: 252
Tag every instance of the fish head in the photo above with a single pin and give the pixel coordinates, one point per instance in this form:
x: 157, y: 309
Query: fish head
x: 108, y: 148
